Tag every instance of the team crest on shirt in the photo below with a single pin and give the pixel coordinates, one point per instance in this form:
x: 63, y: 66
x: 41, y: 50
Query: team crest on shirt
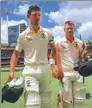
x: 43, y: 36
x: 76, y: 45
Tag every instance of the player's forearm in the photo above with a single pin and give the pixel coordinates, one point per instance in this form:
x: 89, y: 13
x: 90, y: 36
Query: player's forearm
x: 52, y: 61
x: 52, y: 67
x: 13, y: 61
x: 82, y: 50
x: 59, y: 65
x: 58, y: 59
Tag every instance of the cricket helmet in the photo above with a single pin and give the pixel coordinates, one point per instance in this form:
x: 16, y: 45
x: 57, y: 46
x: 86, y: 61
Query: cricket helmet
x: 85, y: 68
x: 12, y: 91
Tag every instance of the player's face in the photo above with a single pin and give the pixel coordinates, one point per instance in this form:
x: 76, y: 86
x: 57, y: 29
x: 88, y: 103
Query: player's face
x: 35, y: 17
x: 69, y: 29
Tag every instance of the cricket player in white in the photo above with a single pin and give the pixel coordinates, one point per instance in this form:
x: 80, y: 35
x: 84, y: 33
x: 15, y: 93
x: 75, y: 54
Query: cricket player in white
x: 71, y: 88
x: 37, y: 72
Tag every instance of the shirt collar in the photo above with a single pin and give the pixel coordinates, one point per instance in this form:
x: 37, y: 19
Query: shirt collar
x: 30, y: 31
x: 65, y: 40
x: 69, y: 41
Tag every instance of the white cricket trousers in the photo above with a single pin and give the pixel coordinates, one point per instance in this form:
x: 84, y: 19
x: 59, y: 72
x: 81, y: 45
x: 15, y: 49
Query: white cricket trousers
x: 73, y: 90
x: 37, y: 84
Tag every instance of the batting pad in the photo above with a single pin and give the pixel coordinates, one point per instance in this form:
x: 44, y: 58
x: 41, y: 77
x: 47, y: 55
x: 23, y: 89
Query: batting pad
x: 46, y: 101
x: 32, y: 99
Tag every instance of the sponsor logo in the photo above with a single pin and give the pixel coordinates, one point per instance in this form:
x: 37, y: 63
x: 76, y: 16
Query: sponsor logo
x: 28, y: 38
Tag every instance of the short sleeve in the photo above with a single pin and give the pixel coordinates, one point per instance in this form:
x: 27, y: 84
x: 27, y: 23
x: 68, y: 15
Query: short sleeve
x: 19, y: 46
x: 51, y: 38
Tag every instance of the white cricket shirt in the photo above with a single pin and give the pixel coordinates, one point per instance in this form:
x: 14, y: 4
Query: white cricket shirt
x: 35, y: 47
x: 69, y: 52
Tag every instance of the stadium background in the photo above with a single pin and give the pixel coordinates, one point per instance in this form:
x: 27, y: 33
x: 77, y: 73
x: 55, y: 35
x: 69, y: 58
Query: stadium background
x: 7, y: 50
x: 13, y: 33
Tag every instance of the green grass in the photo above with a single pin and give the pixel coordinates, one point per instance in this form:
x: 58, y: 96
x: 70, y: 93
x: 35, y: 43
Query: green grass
x: 88, y: 84
x: 20, y: 103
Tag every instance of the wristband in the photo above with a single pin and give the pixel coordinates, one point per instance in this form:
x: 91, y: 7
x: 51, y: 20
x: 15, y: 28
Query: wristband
x: 52, y: 61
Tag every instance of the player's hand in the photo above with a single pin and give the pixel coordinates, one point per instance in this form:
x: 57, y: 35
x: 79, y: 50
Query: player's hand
x: 83, y: 65
x: 11, y: 76
x: 54, y: 73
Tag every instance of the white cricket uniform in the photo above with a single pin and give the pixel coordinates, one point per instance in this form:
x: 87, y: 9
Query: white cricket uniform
x: 72, y: 83
x: 37, y: 71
